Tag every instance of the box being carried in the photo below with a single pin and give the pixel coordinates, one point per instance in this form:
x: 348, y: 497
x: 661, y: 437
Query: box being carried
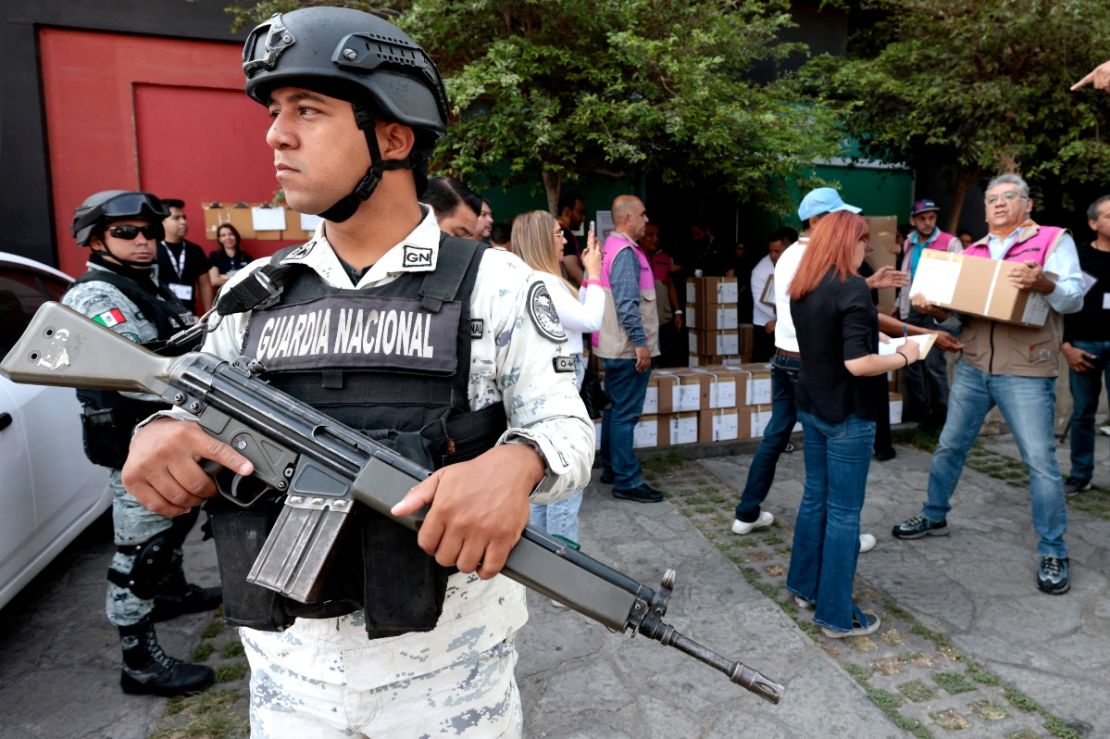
x: 978, y: 286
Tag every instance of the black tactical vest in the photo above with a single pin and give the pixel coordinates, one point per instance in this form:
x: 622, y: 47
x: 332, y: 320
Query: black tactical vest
x: 393, y: 362
x: 109, y: 418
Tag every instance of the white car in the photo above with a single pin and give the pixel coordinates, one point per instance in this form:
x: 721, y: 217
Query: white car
x: 49, y: 491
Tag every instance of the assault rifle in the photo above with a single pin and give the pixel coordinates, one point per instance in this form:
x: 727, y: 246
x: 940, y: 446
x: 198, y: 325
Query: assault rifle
x: 321, y: 467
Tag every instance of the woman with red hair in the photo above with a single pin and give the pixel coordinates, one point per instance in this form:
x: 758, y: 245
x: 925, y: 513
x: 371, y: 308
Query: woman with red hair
x: 839, y: 398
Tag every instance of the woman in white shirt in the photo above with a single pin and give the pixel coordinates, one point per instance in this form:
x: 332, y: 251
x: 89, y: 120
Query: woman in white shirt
x: 538, y: 240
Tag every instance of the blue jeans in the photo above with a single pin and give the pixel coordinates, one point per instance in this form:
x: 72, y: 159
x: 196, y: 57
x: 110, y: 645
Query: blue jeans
x: 826, y: 534
x: 561, y: 517
x: 1028, y: 404
x: 627, y: 389
x: 784, y: 375
x: 1085, y: 389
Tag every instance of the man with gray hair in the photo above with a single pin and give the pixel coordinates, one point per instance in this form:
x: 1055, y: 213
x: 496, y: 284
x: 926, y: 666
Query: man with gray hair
x: 1015, y: 368
x: 1087, y: 348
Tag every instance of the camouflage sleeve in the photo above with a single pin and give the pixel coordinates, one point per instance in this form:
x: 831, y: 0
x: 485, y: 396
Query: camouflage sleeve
x: 109, y: 307
x: 535, y: 375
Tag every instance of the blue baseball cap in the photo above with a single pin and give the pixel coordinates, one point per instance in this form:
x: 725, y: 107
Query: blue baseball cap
x: 922, y: 206
x: 822, y: 200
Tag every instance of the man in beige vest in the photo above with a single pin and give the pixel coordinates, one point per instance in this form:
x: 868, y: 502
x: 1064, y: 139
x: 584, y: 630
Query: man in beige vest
x: 629, y: 338
x: 1015, y: 368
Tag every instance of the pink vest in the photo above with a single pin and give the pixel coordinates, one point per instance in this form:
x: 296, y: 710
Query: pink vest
x: 1032, y: 249
x: 612, y: 342
x: 614, y: 243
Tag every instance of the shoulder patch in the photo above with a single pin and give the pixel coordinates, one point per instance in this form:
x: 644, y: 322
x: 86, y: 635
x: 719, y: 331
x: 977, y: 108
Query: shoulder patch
x: 563, y: 364
x: 110, y: 317
x: 542, y: 312
x: 477, y: 328
x: 415, y: 257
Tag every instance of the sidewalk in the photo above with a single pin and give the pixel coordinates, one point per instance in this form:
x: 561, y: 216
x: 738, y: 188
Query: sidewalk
x: 967, y: 641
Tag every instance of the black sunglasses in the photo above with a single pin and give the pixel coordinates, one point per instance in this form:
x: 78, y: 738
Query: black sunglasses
x: 128, y: 233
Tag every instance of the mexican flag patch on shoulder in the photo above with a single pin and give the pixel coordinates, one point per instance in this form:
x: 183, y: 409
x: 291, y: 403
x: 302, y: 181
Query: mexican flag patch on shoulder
x: 110, y: 318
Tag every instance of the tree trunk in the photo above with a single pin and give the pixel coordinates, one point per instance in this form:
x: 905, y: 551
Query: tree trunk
x: 964, y: 180
x: 552, y: 184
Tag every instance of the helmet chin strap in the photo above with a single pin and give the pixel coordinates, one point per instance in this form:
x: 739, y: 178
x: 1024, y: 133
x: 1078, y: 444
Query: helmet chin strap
x: 347, y: 206
x: 130, y: 264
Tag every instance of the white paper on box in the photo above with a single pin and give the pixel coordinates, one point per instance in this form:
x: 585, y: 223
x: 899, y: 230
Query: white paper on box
x: 728, y: 344
x: 268, y: 219
x: 692, y: 339
x: 687, y: 397
x: 691, y: 293
x: 759, y: 390
x: 651, y: 401
x: 684, y: 430
x: 759, y: 421
x: 936, y: 279
x: 693, y: 362
x: 726, y: 427
x: 895, y: 412
x: 597, y: 436
x: 646, y: 434
x: 722, y: 394
x: 728, y: 292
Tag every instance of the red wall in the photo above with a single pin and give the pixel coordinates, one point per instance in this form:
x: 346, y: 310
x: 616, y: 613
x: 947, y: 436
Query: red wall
x: 162, y: 115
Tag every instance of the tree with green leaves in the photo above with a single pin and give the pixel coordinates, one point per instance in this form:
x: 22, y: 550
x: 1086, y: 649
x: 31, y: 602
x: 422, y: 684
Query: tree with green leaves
x: 547, y: 93
x: 982, y: 85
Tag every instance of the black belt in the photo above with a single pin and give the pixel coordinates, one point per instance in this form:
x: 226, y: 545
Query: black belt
x: 785, y: 353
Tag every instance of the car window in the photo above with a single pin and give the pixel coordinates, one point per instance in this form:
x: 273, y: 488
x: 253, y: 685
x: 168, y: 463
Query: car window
x: 21, y: 293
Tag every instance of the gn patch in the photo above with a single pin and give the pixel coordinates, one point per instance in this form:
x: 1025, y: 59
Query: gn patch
x: 542, y: 311
x: 563, y: 364
x: 477, y: 328
x: 415, y: 257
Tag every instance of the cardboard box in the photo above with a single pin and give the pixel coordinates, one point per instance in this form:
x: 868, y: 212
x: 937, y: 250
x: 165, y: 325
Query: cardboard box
x: 700, y: 361
x: 676, y: 390
x: 728, y: 386
x: 683, y: 428
x: 895, y: 409
x: 651, y: 432
x: 717, y: 343
x: 719, y: 424
x: 747, y: 341
x: 884, y: 242
x: 759, y: 383
x: 713, y: 317
x: 977, y: 286
x: 705, y: 290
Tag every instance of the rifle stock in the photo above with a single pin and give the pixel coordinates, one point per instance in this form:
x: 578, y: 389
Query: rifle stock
x: 321, y: 466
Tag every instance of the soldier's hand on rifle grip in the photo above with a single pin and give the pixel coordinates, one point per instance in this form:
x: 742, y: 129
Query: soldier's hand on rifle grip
x: 478, y: 508
x: 163, y: 465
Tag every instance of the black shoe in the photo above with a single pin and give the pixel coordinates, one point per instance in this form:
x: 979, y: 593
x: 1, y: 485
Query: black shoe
x: 885, y: 455
x: 606, y: 478
x: 147, y: 670
x: 193, y: 599
x: 643, y: 494
x: 919, y: 526
x: 1052, y: 575
x: 789, y: 448
x: 1074, y: 485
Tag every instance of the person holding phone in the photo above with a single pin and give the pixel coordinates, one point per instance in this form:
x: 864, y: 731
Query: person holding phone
x: 538, y: 240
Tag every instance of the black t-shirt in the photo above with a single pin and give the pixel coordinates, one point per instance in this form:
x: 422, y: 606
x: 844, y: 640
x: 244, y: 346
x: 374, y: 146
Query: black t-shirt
x: 179, y: 268
x: 1092, y: 322
x: 570, y: 249
x: 228, y: 265
x: 834, y: 323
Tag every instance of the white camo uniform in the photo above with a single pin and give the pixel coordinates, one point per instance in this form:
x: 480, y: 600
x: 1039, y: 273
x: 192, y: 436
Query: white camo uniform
x: 324, y: 677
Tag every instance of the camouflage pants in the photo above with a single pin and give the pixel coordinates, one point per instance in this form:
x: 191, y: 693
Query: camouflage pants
x: 475, y: 696
x: 133, y: 524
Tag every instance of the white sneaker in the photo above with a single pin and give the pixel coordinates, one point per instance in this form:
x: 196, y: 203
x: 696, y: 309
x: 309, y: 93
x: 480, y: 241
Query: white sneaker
x: 765, y: 519
x: 866, y: 543
x: 802, y: 603
x: 1104, y: 430
x: 557, y: 604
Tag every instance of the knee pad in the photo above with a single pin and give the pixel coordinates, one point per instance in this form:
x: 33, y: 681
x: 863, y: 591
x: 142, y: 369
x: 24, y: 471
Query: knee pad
x: 154, y: 559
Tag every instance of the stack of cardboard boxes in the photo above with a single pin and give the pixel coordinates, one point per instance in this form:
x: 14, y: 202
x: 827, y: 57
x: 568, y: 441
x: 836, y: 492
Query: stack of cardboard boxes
x: 711, y: 317
x: 704, y: 404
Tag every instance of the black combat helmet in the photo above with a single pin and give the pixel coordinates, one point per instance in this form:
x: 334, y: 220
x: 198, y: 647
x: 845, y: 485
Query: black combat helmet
x: 360, y: 58
x: 100, y: 209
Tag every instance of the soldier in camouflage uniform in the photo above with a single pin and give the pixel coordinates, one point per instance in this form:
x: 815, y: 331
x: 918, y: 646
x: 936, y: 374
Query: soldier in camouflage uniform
x: 356, y: 108
x: 146, y: 582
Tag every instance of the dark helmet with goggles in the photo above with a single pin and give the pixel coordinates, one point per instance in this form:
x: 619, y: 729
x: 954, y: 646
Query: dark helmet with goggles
x: 358, y: 57
x: 100, y: 209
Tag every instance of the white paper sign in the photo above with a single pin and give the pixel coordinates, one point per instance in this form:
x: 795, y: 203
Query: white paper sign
x: 604, y: 224
x: 268, y: 219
